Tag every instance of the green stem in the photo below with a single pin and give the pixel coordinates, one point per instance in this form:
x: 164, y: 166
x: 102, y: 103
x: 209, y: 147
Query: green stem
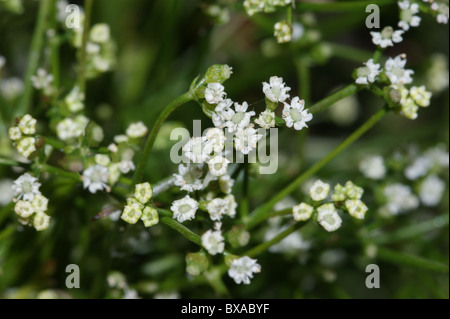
x: 261, y: 212
x: 9, y: 162
x: 289, y: 14
x: 54, y: 46
x: 244, y: 206
x: 283, y: 212
x: 183, y: 230
x: 139, y: 173
x: 214, y: 279
x: 347, y: 91
x: 400, y: 258
x: 349, y: 52
x: 59, y: 172
x: 304, y: 78
x: 339, y: 6
x: 37, y: 44
x: 82, y: 56
x: 264, y: 246
x: 412, y: 231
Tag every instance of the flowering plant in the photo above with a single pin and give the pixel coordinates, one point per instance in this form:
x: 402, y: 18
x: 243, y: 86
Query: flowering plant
x: 149, y: 205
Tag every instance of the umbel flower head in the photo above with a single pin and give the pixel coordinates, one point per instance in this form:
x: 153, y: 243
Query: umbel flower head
x: 387, y: 37
x: 276, y: 90
x: 368, y: 73
x: 295, y: 115
x: 188, y: 178
x: 95, y: 178
x: 26, y: 187
x: 213, y: 242
x: 184, y: 209
x: 242, y: 269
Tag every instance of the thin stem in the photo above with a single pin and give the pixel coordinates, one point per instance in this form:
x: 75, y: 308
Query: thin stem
x: 350, y: 53
x: 139, y: 173
x: 82, y: 56
x: 183, y: 230
x: 400, y: 258
x: 59, y: 172
x: 339, y: 6
x: 264, y: 246
x: 347, y: 91
x: 304, y: 78
x: 289, y: 14
x: 244, y: 206
x: 54, y: 46
x: 260, y: 213
x: 37, y: 43
x: 283, y: 212
x: 9, y: 162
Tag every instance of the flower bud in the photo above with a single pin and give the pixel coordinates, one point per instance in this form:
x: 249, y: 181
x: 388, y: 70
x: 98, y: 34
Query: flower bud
x: 196, y: 263
x: 238, y: 236
x: 218, y: 73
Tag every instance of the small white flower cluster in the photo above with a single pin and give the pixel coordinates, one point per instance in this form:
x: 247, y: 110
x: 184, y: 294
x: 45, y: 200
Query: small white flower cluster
x: 441, y: 10
x: 74, y: 101
x: 31, y: 205
x: 71, y: 128
x: 242, y: 269
x: 23, y: 135
x: 42, y: 81
x: 373, y: 167
x: 283, y: 32
x: 11, y: 88
x: 399, y: 199
x: 137, y: 207
x: 117, y: 281
x: 327, y: 213
x: 387, y: 37
x: 255, y: 6
x: 408, y: 15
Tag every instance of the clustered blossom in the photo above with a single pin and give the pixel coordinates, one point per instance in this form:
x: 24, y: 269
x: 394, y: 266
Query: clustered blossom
x: 433, y: 159
x: 242, y: 269
x: 283, y: 32
x: 387, y: 37
x: 42, y: 81
x: 213, y: 242
x: 369, y: 73
x: 373, y: 167
x: 255, y: 6
x: 399, y: 199
x: 23, y: 136
x: 408, y: 17
x: 138, y: 208
x: 184, y: 209
x: 95, y: 178
x: 276, y: 90
x: 31, y: 205
x: 72, y: 128
x: 295, y: 115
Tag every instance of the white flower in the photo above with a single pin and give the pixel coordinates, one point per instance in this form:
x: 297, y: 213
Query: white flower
x: 438, y: 156
x: 295, y: 115
x: 387, y: 37
x: 356, y: 208
x: 95, y: 178
x: 184, y: 209
x: 373, y: 167
x: 41, y: 221
x: 283, y: 32
x: 24, y: 209
x: 246, y: 140
x: 275, y: 90
x: 42, y: 80
x: 100, y: 33
x: 11, y: 88
x: 253, y: 6
x: 399, y: 198
x: 217, y: 208
x: 368, y: 73
x: 150, y: 216
x: 353, y: 191
x: 126, y: 166
x: 226, y: 184
x: 420, y: 95
x: 408, y: 15
x: 102, y: 159
x: 218, y: 165
x: 328, y: 217
x: 232, y: 205
x: 431, y: 190
x: 396, y: 72
x: 132, y: 212
x: 121, y: 138
x: 302, y: 212
x: 223, y: 113
x: 14, y: 133
x: 26, y: 146
x: 188, y: 178
x: 266, y: 119
x: 242, y: 269
x: 26, y: 187
x: 240, y: 118
x: 40, y: 203
x: 75, y: 100
x: 27, y: 125
x: 143, y: 192
x: 217, y: 138
x: 213, y: 242
x: 198, y: 149
x: 319, y: 190
x: 443, y: 12
x: 418, y: 168
x: 409, y: 109
x: 136, y: 130
x: 71, y: 128
x: 214, y: 93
